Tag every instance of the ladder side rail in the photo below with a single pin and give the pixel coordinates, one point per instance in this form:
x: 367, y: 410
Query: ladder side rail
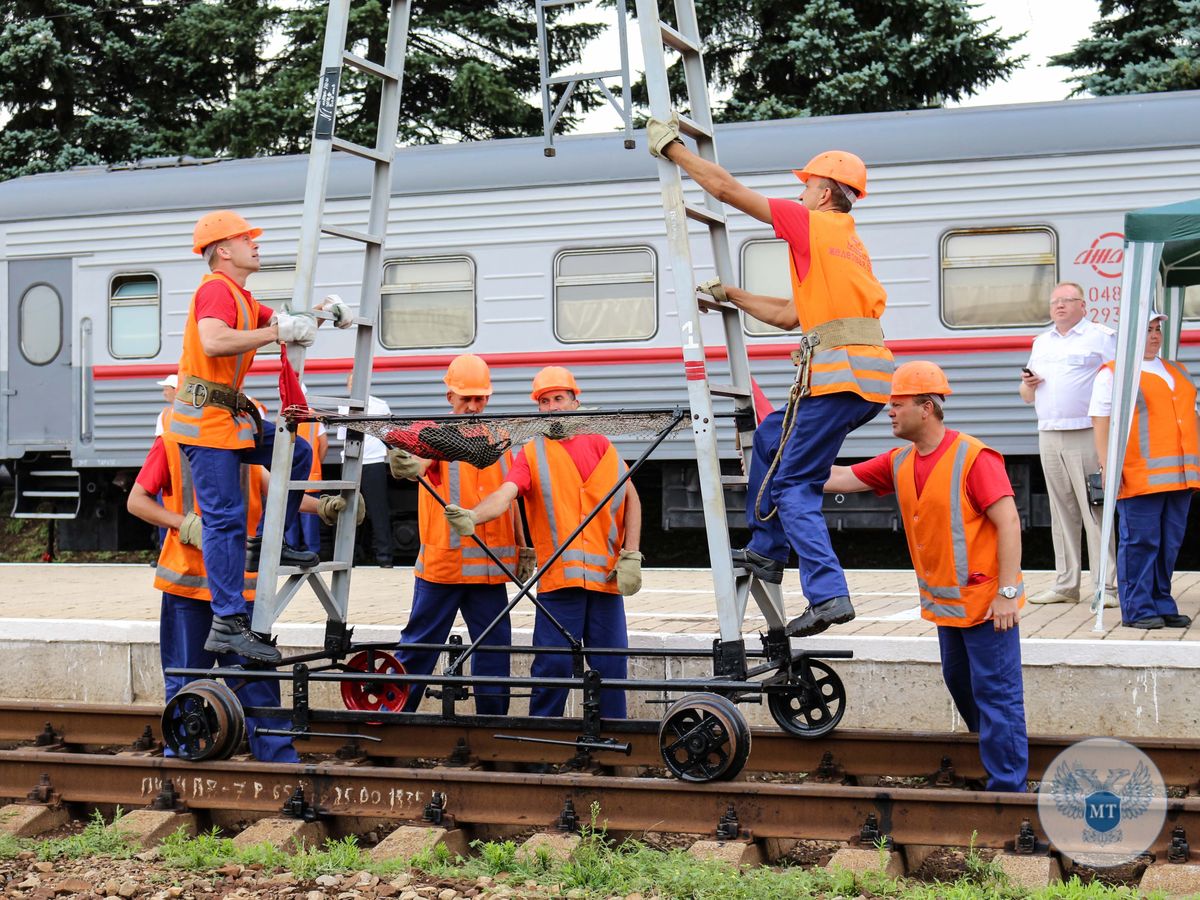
x: 543, y: 38
x: 626, y: 91
x: 704, y: 426
x: 266, y: 609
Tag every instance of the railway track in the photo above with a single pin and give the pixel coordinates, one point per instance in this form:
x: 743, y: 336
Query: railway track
x: 850, y: 784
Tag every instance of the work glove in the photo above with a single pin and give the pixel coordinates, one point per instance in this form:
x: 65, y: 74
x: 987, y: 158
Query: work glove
x: 628, y: 572
x: 403, y: 464
x: 714, y: 289
x: 461, y: 520
x: 300, y: 328
x: 190, y: 530
x: 330, y: 506
x: 336, y: 306
x: 526, y: 563
x: 660, y: 134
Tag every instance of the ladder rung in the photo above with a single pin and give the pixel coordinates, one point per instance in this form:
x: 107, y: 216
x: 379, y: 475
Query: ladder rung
x: 365, y: 65
x: 351, y: 235
x: 673, y: 38
x: 584, y: 76
x: 728, y: 390
x: 54, y: 473
x: 694, y: 129
x: 29, y: 515
x: 331, y: 566
x: 72, y: 495
x: 359, y: 150
x: 334, y: 402
x: 702, y: 214
x: 734, y: 479
x: 546, y: 4
x: 321, y: 485
x: 714, y: 306
x: 328, y: 316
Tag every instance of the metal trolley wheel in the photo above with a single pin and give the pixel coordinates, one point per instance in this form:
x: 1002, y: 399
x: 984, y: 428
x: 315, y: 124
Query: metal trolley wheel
x: 204, y: 721
x: 704, y: 737
x: 813, y: 705
x: 375, y: 696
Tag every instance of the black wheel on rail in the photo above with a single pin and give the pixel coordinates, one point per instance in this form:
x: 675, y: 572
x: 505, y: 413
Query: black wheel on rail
x: 812, y: 706
x: 200, y: 724
x: 704, y: 737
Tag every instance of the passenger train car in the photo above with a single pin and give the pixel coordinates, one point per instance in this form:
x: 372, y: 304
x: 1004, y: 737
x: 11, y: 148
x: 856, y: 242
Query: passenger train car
x: 973, y: 214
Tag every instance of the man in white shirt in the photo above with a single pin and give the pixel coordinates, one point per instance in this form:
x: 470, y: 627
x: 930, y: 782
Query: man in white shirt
x: 374, y: 482
x: 1058, y: 381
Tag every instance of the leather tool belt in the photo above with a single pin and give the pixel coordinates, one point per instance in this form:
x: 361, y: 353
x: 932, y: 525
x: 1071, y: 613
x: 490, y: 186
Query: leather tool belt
x: 857, y: 331
x: 201, y: 392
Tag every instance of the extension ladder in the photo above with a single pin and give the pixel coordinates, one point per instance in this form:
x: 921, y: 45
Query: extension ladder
x: 334, y: 596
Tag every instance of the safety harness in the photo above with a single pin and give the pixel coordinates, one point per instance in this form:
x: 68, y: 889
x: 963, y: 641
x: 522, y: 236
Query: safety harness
x: 201, y: 392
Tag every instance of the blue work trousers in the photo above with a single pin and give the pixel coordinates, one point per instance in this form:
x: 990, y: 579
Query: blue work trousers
x: 796, y: 488
x: 433, y: 611
x: 304, y: 533
x: 183, y: 626
x: 1152, y: 527
x: 216, y: 475
x: 982, y: 668
x: 599, y: 619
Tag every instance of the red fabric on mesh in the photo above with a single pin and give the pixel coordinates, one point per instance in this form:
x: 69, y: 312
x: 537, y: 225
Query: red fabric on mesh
x: 291, y: 396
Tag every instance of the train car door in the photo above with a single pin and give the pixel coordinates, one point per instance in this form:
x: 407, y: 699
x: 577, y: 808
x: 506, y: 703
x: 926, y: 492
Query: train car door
x: 41, y: 398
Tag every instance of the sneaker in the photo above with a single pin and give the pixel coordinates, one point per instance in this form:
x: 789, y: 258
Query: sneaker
x: 1177, y: 621
x: 232, y: 634
x: 820, y: 616
x: 1111, y: 601
x: 1148, y: 624
x: 288, y: 555
x: 762, y: 567
x: 1052, y: 596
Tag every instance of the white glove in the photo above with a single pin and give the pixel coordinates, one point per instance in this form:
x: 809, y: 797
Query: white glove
x: 191, y: 531
x: 336, y: 306
x: 403, y: 464
x: 300, y: 328
x: 714, y: 289
x: 526, y: 564
x: 662, y: 134
x: 461, y: 520
x: 330, y: 506
x: 628, y: 572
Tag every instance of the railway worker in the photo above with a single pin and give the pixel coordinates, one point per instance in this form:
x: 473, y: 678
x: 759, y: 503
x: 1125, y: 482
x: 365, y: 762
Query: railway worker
x: 305, y: 532
x: 1160, y: 473
x: 220, y: 429
x: 186, y: 612
x: 453, y: 575
x: 169, y: 386
x: 843, y: 368
x: 964, y: 535
x: 561, y: 481
x: 374, y: 480
x: 1058, y: 382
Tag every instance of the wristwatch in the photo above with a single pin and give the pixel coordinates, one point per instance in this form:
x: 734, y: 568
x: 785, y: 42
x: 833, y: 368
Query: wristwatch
x: 1009, y: 593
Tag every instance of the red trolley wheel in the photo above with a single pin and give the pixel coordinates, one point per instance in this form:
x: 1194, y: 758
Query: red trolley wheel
x: 375, y: 696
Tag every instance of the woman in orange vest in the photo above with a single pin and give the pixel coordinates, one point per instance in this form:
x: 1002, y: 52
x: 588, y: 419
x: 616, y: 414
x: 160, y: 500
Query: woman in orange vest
x: 844, y: 369
x: 964, y: 536
x: 585, y: 589
x: 1160, y: 473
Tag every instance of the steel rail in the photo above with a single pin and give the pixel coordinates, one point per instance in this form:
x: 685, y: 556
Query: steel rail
x: 819, y: 812
x: 853, y: 752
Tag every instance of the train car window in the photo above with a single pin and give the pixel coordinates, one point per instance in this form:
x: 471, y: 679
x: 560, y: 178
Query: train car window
x: 428, y: 303
x: 605, y: 295
x: 40, y: 322
x: 765, y: 270
x: 271, y: 286
x: 1191, y: 302
x: 134, y: 327
x: 997, y: 277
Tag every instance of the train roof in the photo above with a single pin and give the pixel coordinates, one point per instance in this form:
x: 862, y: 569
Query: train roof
x: 1096, y: 125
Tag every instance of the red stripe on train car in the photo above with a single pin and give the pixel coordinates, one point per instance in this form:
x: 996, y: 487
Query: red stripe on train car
x: 609, y: 357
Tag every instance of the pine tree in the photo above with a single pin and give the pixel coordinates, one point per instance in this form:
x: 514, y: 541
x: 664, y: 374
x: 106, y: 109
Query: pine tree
x: 830, y: 57
x: 1138, y: 48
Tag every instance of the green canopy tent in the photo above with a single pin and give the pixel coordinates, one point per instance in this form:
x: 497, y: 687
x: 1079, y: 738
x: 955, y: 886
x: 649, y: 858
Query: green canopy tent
x: 1162, y: 259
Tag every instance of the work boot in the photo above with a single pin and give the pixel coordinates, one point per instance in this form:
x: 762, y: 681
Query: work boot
x: 232, y: 634
x: 288, y: 555
x: 762, y: 567
x: 1177, y: 620
x: 820, y: 616
x: 1149, y: 623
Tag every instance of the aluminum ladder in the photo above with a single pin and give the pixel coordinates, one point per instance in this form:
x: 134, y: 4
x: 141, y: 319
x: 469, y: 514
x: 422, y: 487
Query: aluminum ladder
x: 334, y: 596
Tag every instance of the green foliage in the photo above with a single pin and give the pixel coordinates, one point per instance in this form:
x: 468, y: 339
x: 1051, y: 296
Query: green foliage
x: 1147, y: 46
x: 335, y: 856
x: 96, y: 839
x: 9, y: 846
x: 831, y: 57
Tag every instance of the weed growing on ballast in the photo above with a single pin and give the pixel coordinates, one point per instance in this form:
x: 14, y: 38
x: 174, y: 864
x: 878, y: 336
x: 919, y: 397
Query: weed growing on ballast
x: 96, y: 839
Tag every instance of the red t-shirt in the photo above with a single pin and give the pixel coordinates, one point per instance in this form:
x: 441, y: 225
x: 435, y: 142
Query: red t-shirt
x: 986, y: 482
x: 585, y: 450
x: 213, y: 301
x: 791, y: 224
x: 155, y: 475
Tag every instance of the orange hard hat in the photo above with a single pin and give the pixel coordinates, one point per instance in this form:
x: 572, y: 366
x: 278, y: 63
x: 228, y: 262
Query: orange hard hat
x: 919, y: 377
x: 840, y: 165
x: 219, y: 225
x: 468, y: 376
x: 553, y: 378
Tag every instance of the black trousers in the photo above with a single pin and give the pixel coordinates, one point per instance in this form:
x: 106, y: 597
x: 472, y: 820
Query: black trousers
x: 375, y: 491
